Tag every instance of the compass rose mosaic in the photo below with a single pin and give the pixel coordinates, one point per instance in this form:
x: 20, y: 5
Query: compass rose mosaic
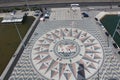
x: 67, y: 54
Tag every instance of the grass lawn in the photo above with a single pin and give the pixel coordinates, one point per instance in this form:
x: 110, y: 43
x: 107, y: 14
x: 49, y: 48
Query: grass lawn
x: 9, y: 40
x: 110, y: 23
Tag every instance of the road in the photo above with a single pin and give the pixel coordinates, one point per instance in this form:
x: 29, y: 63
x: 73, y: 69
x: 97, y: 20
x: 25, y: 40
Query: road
x: 50, y: 3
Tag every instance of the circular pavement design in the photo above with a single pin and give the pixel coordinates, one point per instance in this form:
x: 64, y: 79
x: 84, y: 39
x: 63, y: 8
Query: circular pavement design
x: 67, y: 54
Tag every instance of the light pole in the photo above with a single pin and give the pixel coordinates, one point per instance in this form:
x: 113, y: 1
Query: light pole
x: 111, y: 4
x: 18, y: 31
x: 118, y: 24
x: 19, y: 34
x: 26, y: 3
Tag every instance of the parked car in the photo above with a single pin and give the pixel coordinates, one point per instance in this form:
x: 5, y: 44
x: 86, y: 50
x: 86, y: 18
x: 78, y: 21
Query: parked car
x: 74, y: 5
x: 36, y: 14
x: 119, y: 52
x: 96, y: 19
x: 42, y: 19
x: 42, y: 15
x: 47, y: 14
x: 37, y: 11
x: 106, y: 33
x: 115, y: 45
x: 85, y: 14
x: 113, y: 79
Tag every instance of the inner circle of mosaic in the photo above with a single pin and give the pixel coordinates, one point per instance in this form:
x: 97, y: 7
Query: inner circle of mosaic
x: 66, y: 53
x: 66, y: 49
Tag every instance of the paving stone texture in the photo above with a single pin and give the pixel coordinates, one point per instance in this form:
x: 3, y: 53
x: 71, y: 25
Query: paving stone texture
x: 63, y: 32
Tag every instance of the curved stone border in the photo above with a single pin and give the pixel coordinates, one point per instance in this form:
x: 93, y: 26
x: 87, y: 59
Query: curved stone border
x: 102, y: 14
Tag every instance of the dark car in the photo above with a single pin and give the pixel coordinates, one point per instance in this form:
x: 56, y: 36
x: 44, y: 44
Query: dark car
x: 119, y: 5
x: 37, y: 11
x: 85, y: 14
x: 113, y: 79
x: 115, y: 45
x: 42, y: 15
x: 36, y: 14
x: 106, y: 33
x: 96, y: 19
x: 119, y: 52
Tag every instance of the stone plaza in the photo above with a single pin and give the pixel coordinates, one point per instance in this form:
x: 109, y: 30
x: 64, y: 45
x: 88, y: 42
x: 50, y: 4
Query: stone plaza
x: 68, y: 46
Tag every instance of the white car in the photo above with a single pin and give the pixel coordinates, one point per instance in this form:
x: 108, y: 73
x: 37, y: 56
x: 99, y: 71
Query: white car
x: 74, y: 5
x: 47, y: 14
x: 42, y: 19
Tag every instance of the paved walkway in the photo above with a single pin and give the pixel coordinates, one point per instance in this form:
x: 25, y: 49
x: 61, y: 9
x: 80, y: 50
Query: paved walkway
x: 65, y: 14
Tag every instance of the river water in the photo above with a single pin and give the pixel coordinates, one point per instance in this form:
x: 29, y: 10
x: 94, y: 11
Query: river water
x: 110, y: 22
